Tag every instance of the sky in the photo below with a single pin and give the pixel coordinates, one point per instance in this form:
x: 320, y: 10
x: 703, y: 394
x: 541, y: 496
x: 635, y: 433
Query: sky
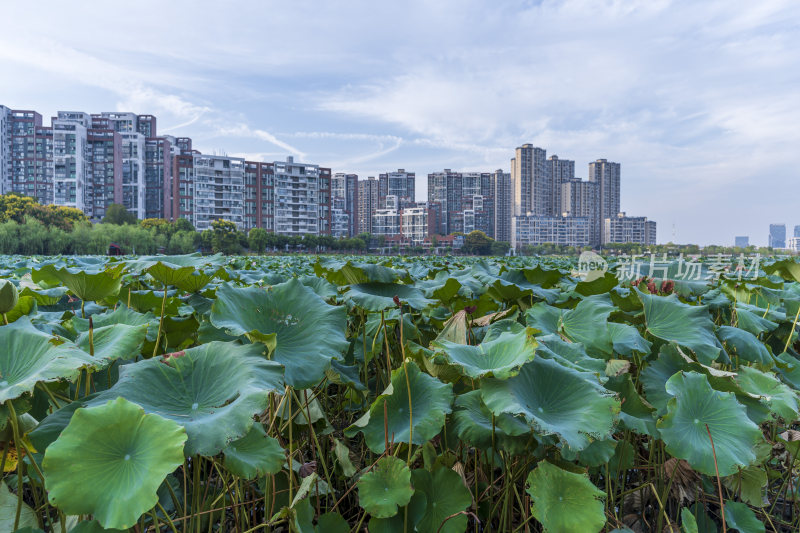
x: 698, y: 101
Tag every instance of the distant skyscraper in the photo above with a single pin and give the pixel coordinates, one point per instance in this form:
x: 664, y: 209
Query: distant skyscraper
x: 797, y: 231
x: 742, y: 241
x: 777, y: 235
x: 502, y: 193
x: 218, y: 190
x: 624, y: 229
x: 446, y: 190
x: 5, y: 149
x: 607, y: 175
x: 367, y: 203
x: 531, y: 182
x: 345, y: 187
x: 400, y: 184
x: 559, y: 171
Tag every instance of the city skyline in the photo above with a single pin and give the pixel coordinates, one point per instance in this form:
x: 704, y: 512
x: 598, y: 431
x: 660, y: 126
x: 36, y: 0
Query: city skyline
x: 699, y: 144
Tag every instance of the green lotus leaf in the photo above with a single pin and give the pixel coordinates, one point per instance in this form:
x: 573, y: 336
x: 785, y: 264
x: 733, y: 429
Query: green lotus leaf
x: 748, y: 320
x: 94, y: 527
x: 324, y: 288
x: 475, y: 424
x: 375, y: 296
x: 118, y: 341
x: 254, y: 455
x: 9, y: 296
x: 740, y: 517
x: 405, y: 520
x: 543, y: 317
x: 569, y: 354
x: 212, y: 390
x: 749, y: 483
x: 341, y: 273
x: 187, y: 278
x: 88, y: 285
x: 110, y: 461
x: 565, y: 501
x: 777, y: 397
x: 431, y: 400
x: 688, y: 325
x: 598, y: 453
x: 745, y: 346
x: 120, y: 315
x: 304, y: 330
x: 385, y: 487
x: 588, y: 324
x: 555, y: 400
x: 788, y: 269
x: 655, y: 376
x: 28, y: 356
x: 8, y: 511
x: 626, y: 339
x: 45, y: 296
x: 635, y: 413
x: 500, y: 357
x: 446, y: 495
x: 688, y: 520
x: 26, y: 306
x: 683, y: 429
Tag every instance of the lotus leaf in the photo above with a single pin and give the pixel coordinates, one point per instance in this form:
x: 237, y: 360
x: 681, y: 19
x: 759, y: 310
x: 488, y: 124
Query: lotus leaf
x: 431, y: 400
x: 446, y: 495
x: 212, y: 390
x: 565, y: 501
x: 28, y: 356
x: 500, y: 357
x: 303, y: 331
x: 555, y: 400
x: 696, y: 405
x: 254, y: 455
x: 385, y: 487
x: 110, y: 461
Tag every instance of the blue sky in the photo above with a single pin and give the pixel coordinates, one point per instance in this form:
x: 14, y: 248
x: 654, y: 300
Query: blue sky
x: 699, y: 101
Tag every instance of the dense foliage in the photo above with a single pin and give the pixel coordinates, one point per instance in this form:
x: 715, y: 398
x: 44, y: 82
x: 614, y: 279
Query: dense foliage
x: 320, y: 394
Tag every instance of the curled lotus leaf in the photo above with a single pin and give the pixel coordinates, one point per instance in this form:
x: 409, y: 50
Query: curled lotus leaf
x: 255, y: 454
x: 28, y: 356
x: 110, y: 460
x: 213, y: 390
x: 500, y: 357
x: 88, y: 285
x: 669, y: 319
x: 302, y: 330
x: 431, y: 400
x: 375, y: 296
x: 385, y: 487
x: 696, y: 405
x: 118, y: 341
x: 565, y: 501
x: 555, y: 399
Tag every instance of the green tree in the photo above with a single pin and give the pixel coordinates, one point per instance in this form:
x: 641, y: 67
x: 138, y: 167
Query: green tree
x: 225, y: 237
x: 257, y: 240
x: 183, y: 224
x: 117, y: 214
x: 477, y: 242
x: 499, y: 248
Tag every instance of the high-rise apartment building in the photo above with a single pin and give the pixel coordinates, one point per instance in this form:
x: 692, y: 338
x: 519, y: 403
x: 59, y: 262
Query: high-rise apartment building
x: 533, y: 230
x: 31, y: 149
x: 445, y: 189
x: 259, y: 195
x: 70, y: 163
x: 158, y: 154
x: 559, y: 171
x: 777, y: 235
x: 742, y: 241
x: 218, y: 190
x: 302, y: 198
x: 607, y: 176
x: 797, y: 231
x: 502, y: 194
x: 5, y: 149
x: 477, y: 201
x: 533, y: 189
x: 368, y: 202
x: 400, y: 184
x: 624, y: 229
x: 345, y: 187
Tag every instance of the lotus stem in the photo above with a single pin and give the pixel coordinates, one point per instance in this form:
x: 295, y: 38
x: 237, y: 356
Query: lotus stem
x: 794, y: 325
x: 719, y: 483
x: 5, y: 319
x: 160, y: 322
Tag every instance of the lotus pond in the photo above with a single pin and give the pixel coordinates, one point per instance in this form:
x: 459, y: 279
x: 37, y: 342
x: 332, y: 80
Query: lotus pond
x: 317, y: 394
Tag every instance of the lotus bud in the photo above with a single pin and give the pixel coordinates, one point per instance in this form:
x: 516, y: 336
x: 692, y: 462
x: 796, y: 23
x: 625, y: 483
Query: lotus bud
x: 470, y: 309
x: 652, y: 288
x: 396, y: 300
x: 9, y: 296
x: 667, y: 286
